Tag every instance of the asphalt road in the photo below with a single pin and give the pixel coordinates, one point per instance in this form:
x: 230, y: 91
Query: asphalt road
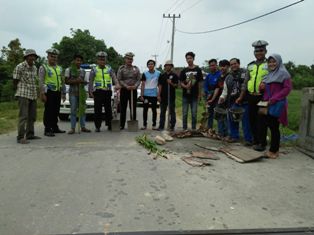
x: 85, y: 182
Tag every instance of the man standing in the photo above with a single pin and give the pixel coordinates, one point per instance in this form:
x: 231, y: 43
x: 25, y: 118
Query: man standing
x: 149, y: 92
x: 222, y: 123
x: 231, y: 96
x: 74, y: 76
x: 51, y: 89
x: 129, y: 78
x: 100, y: 88
x: 24, y: 79
x: 167, y: 83
x: 257, y: 70
x: 191, y: 78
x: 210, y: 85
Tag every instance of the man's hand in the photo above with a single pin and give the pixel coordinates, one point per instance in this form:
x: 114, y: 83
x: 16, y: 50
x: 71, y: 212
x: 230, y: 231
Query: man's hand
x: 43, y: 97
x: 221, y: 100
x: 63, y: 97
x: 238, y: 101
x: 117, y: 87
x: 159, y: 98
x: 262, y: 87
x: 91, y: 95
x: 142, y: 98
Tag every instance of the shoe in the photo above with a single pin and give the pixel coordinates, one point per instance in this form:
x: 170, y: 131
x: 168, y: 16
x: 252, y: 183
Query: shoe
x: 49, y: 134
x: 58, y: 131
x: 160, y: 129
x: 97, y: 130
x: 272, y: 155
x: 23, y: 141
x: 248, y: 143
x: 109, y: 128
x: 155, y: 128
x: 143, y: 128
x: 84, y: 129
x: 229, y: 139
x: 71, y: 132
x: 121, y: 127
x: 33, y: 137
x: 259, y: 148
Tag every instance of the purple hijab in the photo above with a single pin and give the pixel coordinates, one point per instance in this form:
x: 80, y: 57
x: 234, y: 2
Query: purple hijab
x: 279, y: 74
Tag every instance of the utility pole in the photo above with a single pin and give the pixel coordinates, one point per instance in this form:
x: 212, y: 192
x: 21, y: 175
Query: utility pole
x: 173, y: 30
x: 155, y: 56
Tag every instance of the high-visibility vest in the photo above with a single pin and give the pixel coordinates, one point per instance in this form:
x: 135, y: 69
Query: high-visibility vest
x: 53, y: 79
x: 102, y: 78
x: 257, y: 73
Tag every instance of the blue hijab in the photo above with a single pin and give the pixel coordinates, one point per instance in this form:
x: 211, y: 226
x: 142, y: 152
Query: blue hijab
x: 279, y: 74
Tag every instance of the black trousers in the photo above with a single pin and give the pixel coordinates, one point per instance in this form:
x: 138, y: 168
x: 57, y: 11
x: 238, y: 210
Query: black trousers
x: 125, y: 96
x: 102, y: 98
x: 52, y: 109
x: 272, y: 123
x: 163, y: 110
x: 153, y: 101
x: 254, y: 117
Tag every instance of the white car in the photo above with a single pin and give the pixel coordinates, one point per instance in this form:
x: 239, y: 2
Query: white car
x: 65, y: 107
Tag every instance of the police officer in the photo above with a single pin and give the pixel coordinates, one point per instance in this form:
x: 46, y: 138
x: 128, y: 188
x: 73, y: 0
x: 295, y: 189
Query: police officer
x: 100, y: 88
x: 129, y: 78
x: 256, y: 71
x: 51, y: 89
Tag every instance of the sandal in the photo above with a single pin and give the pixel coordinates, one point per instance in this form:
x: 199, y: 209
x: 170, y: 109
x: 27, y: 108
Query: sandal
x: 71, y: 132
x: 84, y: 129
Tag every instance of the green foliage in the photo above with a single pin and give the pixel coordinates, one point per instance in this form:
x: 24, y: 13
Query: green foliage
x: 9, y: 115
x: 10, y: 57
x: 7, y: 91
x: 302, y: 75
x: 82, y: 42
x: 150, y: 145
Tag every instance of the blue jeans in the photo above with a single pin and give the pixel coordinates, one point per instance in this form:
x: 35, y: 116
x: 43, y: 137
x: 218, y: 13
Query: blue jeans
x: 186, y: 102
x: 210, y: 121
x: 223, y: 127
x: 234, y: 126
x: 74, y: 109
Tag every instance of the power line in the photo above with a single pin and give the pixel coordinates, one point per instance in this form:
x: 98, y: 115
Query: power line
x: 178, y: 5
x: 173, y: 30
x: 193, y: 5
x: 159, y: 35
x: 242, y: 22
x: 175, y: 3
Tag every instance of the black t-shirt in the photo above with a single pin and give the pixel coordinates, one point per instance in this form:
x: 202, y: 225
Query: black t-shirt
x: 195, y: 76
x: 164, y: 85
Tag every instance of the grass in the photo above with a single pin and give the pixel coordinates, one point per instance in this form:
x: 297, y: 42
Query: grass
x: 9, y: 115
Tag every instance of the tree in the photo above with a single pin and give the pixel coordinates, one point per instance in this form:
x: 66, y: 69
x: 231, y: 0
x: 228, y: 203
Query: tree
x: 14, y: 54
x: 10, y: 57
x: 84, y: 43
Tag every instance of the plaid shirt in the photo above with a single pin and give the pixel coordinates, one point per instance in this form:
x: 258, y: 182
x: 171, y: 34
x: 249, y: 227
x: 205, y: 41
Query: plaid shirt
x: 27, y: 76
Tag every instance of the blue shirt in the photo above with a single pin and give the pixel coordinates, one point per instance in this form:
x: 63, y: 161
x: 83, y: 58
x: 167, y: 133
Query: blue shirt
x: 151, y: 83
x: 211, y: 82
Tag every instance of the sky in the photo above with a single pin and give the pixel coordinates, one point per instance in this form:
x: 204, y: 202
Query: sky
x: 138, y: 26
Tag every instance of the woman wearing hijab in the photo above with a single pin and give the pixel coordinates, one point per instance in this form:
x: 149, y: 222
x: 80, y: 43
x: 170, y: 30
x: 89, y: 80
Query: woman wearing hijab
x: 276, y: 86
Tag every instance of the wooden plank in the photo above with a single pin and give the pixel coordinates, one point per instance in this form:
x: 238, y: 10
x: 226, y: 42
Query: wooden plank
x: 244, y: 153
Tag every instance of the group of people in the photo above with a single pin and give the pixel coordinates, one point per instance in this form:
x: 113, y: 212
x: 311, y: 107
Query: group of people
x: 265, y: 82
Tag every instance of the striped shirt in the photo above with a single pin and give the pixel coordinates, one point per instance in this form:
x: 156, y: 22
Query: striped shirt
x: 27, y: 77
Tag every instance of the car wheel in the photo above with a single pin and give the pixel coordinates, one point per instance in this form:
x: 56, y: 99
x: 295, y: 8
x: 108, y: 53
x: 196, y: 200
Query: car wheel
x: 64, y: 117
